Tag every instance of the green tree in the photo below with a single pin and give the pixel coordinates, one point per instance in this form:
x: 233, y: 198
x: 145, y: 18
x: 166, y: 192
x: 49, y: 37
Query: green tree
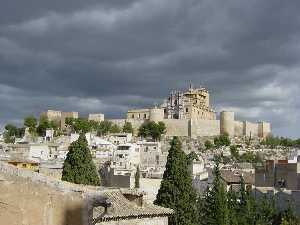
x: 288, y: 217
x: 11, y: 129
x: 115, y: 129
x: 43, y: 126
x: 152, y: 129
x: 137, y: 178
x: 82, y: 125
x: 191, y: 157
x: 79, y: 167
x: 161, y: 127
x: 176, y: 191
x: 8, y: 139
x: 104, y: 127
x: 247, y: 205
x: 10, y: 133
x: 266, y: 210
x: 222, y: 140
x: 30, y: 122
x: 250, y: 157
x: 234, y: 152
x: 69, y: 121
x: 233, y: 206
x: 208, y: 144
x: 127, y: 128
x: 216, y: 209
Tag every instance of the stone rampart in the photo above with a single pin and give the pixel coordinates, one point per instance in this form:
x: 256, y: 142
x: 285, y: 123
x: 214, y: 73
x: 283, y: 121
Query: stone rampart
x: 238, y: 128
x: 204, y: 128
x: 250, y: 129
x: 30, y: 198
x: 175, y: 127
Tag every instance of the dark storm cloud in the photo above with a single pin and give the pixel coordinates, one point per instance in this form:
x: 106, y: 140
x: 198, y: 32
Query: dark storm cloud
x: 109, y: 56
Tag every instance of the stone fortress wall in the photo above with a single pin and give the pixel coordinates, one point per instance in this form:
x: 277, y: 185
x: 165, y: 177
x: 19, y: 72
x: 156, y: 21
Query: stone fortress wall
x: 30, y: 198
x: 186, y: 114
x: 205, y: 128
x: 190, y: 114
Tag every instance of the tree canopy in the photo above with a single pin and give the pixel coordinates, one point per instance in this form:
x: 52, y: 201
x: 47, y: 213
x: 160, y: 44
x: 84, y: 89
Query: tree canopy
x: 45, y: 124
x: 31, y: 123
x: 239, y: 207
x: 127, y: 128
x: 152, y: 129
x: 176, y: 191
x: 79, y: 167
x: 137, y: 178
x: 222, y: 140
x: 273, y: 142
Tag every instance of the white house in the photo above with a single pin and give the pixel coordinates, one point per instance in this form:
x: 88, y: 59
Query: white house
x: 126, y: 156
x: 119, y: 138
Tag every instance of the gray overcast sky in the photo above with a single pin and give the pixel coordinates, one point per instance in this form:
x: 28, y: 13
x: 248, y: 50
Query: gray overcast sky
x: 111, y: 55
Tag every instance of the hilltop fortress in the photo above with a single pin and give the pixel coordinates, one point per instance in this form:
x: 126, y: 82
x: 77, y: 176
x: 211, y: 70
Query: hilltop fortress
x: 189, y: 113
x: 185, y: 114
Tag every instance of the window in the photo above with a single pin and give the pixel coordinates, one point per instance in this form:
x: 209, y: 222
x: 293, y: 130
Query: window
x: 123, y: 147
x: 139, y: 116
x: 145, y: 116
x: 132, y: 116
x: 186, y: 110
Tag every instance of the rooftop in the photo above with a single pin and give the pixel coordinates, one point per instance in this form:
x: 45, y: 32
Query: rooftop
x: 230, y: 176
x: 121, y: 208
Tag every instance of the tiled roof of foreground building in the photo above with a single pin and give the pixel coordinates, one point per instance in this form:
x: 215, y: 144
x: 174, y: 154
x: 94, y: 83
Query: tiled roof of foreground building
x: 121, y: 208
x: 234, y: 177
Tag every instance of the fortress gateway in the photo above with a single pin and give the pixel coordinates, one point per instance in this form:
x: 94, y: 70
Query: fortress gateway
x: 189, y: 113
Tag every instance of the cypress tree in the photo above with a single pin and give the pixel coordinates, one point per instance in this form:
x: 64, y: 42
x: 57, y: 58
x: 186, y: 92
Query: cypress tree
x: 176, y: 191
x: 233, y: 207
x: 137, y: 178
x: 79, y: 167
x: 247, y: 205
x: 217, y: 209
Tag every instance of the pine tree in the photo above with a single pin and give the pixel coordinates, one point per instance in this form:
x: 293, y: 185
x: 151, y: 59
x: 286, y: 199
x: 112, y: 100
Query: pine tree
x: 217, y: 209
x: 79, y: 167
x: 266, y: 210
x: 127, y: 128
x: 137, y: 178
x: 176, y: 191
x: 232, y: 202
x: 247, y: 206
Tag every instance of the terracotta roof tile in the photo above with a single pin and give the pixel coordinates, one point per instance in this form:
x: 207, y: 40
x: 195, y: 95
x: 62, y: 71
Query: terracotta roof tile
x: 122, y: 208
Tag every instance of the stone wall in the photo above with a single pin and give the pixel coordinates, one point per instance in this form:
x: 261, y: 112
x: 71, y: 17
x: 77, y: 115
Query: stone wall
x: 29, y: 198
x: 264, y: 129
x: 203, y: 128
x: 250, y: 129
x: 118, y: 122
x: 177, y: 127
x: 148, y: 221
x: 135, y: 123
x: 238, y: 128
